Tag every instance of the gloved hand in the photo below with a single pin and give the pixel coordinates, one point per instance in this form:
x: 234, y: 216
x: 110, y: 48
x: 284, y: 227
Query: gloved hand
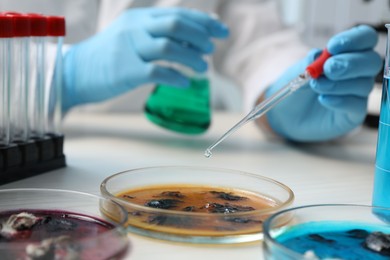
x: 122, y: 57
x: 335, y: 103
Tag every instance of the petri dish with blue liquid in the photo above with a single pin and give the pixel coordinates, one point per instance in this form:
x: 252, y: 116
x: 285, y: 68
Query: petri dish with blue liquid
x: 328, y: 231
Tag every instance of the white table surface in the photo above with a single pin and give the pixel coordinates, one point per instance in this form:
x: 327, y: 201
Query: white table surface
x: 98, y: 145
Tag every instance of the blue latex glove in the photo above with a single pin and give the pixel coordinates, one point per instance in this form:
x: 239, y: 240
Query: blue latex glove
x: 122, y: 57
x: 335, y: 103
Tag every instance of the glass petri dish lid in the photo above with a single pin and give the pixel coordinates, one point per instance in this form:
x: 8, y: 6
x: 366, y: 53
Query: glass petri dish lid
x: 194, y: 204
x: 61, y: 224
x: 328, y: 231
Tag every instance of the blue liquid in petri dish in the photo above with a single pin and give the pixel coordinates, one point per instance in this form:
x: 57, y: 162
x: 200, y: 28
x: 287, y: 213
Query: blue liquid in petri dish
x: 336, y: 239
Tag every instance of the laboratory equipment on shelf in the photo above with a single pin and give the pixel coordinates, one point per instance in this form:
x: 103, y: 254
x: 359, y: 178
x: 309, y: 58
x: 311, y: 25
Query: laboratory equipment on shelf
x: 381, y: 194
x: 313, y: 71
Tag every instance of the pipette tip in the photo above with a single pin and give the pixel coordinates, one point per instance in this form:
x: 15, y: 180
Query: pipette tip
x: 208, y: 153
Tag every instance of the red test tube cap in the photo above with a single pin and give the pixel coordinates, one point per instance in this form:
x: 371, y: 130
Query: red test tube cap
x: 21, y: 24
x: 56, y: 26
x: 6, y: 26
x: 38, y: 24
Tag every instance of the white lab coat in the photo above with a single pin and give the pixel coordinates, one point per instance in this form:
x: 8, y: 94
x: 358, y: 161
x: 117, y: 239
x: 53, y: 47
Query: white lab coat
x: 257, y: 52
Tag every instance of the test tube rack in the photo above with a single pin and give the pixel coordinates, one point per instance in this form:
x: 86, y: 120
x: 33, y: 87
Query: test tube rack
x: 36, y: 156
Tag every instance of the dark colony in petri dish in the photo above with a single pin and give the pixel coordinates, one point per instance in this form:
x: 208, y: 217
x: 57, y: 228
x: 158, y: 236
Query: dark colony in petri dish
x: 216, y: 203
x: 48, y: 234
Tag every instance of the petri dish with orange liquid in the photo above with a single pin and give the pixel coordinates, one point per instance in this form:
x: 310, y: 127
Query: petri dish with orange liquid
x: 197, y: 204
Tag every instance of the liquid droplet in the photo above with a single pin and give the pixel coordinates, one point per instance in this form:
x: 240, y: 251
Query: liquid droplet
x: 207, y: 153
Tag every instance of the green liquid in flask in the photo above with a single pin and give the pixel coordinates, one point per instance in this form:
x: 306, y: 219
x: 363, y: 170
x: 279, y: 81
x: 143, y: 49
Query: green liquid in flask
x: 181, y: 110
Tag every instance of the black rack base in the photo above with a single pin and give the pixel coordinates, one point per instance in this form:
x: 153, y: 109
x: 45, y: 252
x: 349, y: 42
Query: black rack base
x: 27, y: 159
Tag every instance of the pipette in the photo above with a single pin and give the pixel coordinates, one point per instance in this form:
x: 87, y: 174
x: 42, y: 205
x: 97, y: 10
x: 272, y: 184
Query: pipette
x: 313, y: 71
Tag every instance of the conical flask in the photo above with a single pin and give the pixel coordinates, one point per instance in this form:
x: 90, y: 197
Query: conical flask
x: 183, y: 110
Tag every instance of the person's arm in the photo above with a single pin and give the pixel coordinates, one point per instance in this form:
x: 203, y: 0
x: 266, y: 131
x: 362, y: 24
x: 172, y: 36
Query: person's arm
x: 122, y: 57
x: 336, y: 103
x: 332, y: 106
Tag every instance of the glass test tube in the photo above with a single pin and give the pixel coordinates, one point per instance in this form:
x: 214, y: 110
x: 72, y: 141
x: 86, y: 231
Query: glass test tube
x: 37, y: 75
x: 53, y: 102
x: 19, y: 131
x: 6, y: 34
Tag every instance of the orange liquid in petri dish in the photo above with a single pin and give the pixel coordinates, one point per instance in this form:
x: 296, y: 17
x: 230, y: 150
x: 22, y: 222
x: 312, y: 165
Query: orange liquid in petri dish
x: 197, y: 210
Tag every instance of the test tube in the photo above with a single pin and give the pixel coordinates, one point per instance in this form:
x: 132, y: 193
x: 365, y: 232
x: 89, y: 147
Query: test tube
x: 6, y: 34
x: 53, y: 103
x: 37, y: 79
x: 19, y: 131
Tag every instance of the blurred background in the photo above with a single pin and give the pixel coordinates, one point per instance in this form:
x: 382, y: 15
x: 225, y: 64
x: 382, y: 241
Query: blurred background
x: 315, y: 21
